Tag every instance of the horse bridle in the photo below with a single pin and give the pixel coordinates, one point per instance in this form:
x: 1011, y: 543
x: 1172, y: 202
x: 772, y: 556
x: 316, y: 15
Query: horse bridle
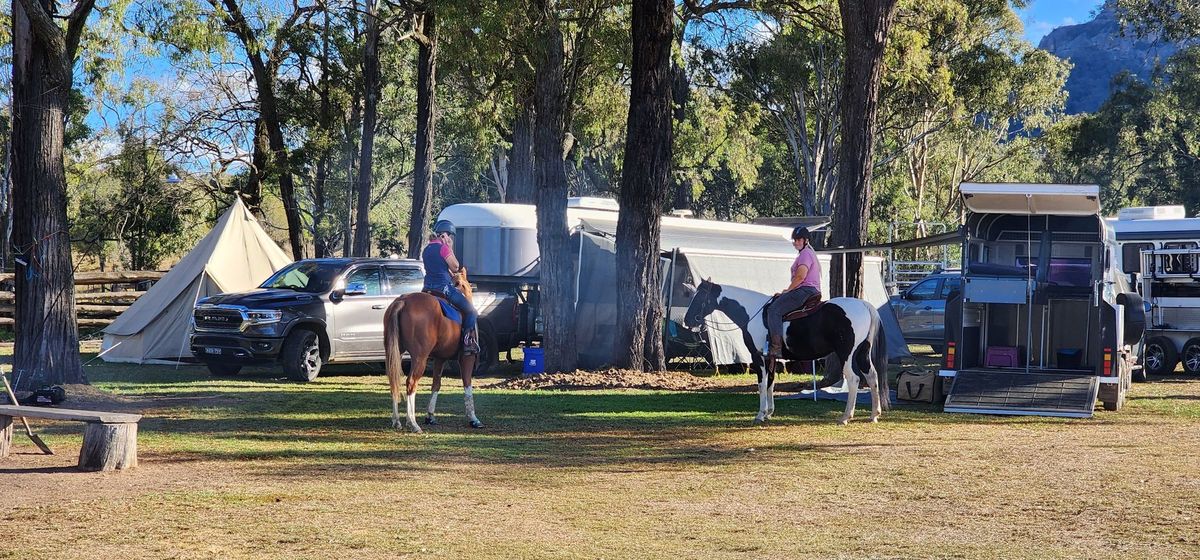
x: 704, y: 287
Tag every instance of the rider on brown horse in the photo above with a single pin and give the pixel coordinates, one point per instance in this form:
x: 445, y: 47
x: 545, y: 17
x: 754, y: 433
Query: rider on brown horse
x: 806, y: 282
x: 440, y: 263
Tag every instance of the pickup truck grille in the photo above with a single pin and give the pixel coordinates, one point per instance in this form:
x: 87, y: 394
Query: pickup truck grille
x: 217, y: 319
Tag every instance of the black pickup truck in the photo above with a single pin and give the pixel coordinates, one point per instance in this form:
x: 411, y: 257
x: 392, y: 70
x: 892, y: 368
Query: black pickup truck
x: 310, y: 313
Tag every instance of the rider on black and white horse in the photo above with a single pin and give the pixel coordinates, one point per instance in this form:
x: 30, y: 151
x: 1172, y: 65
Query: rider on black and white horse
x: 806, y: 282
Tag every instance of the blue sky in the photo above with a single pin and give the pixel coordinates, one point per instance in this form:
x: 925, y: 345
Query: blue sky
x: 1042, y: 16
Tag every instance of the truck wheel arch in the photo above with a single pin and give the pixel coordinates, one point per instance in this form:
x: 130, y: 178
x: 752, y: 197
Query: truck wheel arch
x: 316, y: 327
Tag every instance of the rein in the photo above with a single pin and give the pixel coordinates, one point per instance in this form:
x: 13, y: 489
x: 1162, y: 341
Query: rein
x: 736, y: 326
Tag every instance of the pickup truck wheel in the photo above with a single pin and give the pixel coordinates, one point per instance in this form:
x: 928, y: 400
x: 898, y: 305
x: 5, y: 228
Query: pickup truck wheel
x: 301, y: 355
x: 223, y: 370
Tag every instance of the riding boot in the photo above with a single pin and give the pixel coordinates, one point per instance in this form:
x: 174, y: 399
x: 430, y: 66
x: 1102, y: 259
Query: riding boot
x: 775, y: 347
x: 471, y: 342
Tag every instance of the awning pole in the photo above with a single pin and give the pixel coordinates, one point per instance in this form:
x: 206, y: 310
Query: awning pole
x: 578, y: 267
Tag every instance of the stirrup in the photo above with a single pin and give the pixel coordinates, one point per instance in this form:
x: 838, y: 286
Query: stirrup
x: 470, y: 343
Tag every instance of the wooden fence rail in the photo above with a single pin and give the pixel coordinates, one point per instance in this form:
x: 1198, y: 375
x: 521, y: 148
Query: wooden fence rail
x: 92, y: 309
x: 108, y: 277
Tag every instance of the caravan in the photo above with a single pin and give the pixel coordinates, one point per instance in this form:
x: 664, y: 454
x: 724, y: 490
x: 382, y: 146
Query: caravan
x: 1160, y: 250
x: 1046, y: 322
x: 498, y: 245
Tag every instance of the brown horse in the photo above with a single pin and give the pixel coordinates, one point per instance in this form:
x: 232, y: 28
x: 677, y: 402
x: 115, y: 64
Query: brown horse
x: 415, y: 323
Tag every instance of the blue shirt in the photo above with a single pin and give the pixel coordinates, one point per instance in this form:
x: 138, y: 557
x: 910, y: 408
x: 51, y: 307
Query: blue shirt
x: 437, y: 272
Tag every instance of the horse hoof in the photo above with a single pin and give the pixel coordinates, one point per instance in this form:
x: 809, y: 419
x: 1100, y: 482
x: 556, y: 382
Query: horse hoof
x: 843, y: 421
x: 476, y: 424
x: 874, y: 419
x: 430, y: 421
x: 414, y: 428
x: 758, y: 420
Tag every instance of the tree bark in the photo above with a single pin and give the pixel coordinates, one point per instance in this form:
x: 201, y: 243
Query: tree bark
x: 259, y: 163
x: 865, y: 25
x: 520, y: 167
x: 645, y: 187
x: 46, y: 349
x: 557, y: 301
x: 320, y: 190
x: 362, y: 226
x: 422, y: 199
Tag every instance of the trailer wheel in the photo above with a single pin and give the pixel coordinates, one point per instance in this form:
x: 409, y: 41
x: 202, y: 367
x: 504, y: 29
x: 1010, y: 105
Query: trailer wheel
x: 1161, y: 356
x: 1115, y: 404
x: 1191, y: 356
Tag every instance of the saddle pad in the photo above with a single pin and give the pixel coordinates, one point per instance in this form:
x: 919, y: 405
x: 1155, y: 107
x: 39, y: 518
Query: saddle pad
x: 450, y: 311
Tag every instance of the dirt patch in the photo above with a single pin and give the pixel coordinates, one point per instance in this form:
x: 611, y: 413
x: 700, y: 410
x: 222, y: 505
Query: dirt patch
x: 611, y: 379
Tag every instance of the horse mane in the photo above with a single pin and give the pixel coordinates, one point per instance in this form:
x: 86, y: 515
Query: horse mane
x: 461, y: 282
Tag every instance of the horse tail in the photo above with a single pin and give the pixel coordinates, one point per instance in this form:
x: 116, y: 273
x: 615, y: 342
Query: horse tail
x: 393, y: 342
x: 879, y: 356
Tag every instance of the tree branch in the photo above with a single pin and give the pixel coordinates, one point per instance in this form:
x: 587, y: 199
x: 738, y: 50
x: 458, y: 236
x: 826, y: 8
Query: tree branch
x: 75, y: 27
x: 44, y: 28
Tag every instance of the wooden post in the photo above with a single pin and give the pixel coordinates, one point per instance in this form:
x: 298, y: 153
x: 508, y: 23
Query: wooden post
x: 108, y: 447
x: 6, y: 430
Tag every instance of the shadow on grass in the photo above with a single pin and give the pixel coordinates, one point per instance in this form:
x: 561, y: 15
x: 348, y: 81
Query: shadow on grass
x: 343, y: 424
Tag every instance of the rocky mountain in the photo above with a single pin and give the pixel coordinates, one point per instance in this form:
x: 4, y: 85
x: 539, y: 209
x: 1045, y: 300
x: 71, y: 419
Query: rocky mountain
x: 1098, y: 52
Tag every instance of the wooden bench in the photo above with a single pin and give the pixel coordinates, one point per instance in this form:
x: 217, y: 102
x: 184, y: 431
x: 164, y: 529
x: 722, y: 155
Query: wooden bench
x: 109, y: 440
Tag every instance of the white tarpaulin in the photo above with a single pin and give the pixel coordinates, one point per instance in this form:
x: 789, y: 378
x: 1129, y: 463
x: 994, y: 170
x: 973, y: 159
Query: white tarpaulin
x: 767, y: 273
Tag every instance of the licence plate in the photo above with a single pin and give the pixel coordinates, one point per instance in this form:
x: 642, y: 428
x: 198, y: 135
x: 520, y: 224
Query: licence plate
x: 212, y: 350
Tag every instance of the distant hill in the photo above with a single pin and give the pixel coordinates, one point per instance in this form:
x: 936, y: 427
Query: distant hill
x: 1099, y: 52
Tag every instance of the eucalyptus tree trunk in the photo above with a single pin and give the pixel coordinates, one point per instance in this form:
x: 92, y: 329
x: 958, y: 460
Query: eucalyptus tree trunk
x: 320, y: 190
x: 46, y: 350
x: 557, y: 301
x: 520, y: 166
x: 645, y: 187
x: 259, y: 161
x: 422, y: 199
x: 362, y: 225
x: 865, y: 25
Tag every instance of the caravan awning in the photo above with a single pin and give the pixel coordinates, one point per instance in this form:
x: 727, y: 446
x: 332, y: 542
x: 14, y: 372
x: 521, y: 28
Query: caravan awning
x: 1033, y: 199
x: 740, y: 239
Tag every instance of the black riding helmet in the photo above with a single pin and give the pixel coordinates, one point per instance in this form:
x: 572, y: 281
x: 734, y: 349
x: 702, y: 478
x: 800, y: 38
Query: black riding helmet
x: 801, y: 232
x: 444, y: 226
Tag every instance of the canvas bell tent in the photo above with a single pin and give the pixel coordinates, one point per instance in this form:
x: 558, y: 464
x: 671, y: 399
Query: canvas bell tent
x: 236, y: 255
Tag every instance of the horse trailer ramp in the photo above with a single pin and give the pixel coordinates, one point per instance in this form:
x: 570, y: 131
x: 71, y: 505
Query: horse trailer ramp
x: 1012, y: 391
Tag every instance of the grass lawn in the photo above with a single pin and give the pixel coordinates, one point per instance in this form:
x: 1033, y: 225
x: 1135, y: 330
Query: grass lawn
x: 259, y: 467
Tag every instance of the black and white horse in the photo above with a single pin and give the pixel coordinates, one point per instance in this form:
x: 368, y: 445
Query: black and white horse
x: 846, y: 328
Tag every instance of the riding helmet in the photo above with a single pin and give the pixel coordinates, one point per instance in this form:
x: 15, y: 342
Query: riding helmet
x: 444, y: 226
x: 801, y: 232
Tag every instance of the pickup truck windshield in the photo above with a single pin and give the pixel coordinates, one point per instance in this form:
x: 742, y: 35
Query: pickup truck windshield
x: 309, y: 277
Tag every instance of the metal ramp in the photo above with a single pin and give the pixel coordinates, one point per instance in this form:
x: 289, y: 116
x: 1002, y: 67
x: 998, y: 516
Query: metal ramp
x: 1012, y: 391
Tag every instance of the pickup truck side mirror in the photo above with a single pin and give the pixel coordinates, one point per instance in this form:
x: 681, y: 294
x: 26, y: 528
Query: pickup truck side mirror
x: 355, y: 289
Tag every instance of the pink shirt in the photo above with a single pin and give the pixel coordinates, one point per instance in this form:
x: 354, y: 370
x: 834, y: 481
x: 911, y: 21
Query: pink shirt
x: 808, y: 257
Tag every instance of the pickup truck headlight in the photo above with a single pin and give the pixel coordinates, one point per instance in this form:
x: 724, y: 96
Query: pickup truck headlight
x: 263, y: 317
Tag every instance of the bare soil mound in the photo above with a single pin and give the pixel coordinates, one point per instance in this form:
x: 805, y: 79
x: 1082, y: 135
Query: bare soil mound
x: 611, y: 379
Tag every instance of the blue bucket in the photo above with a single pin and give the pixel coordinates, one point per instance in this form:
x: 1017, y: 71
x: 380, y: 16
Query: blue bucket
x: 533, y: 361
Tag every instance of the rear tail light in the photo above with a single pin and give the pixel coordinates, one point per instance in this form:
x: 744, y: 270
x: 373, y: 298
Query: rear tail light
x: 950, y: 350
x: 1108, y: 360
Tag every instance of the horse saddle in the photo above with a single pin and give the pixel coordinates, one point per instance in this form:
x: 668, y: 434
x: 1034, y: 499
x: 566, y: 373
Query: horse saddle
x: 811, y: 305
x: 448, y: 309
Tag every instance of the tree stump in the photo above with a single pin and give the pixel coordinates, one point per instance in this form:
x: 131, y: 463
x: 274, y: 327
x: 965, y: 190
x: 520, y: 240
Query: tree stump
x: 108, y: 447
x: 6, y: 430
